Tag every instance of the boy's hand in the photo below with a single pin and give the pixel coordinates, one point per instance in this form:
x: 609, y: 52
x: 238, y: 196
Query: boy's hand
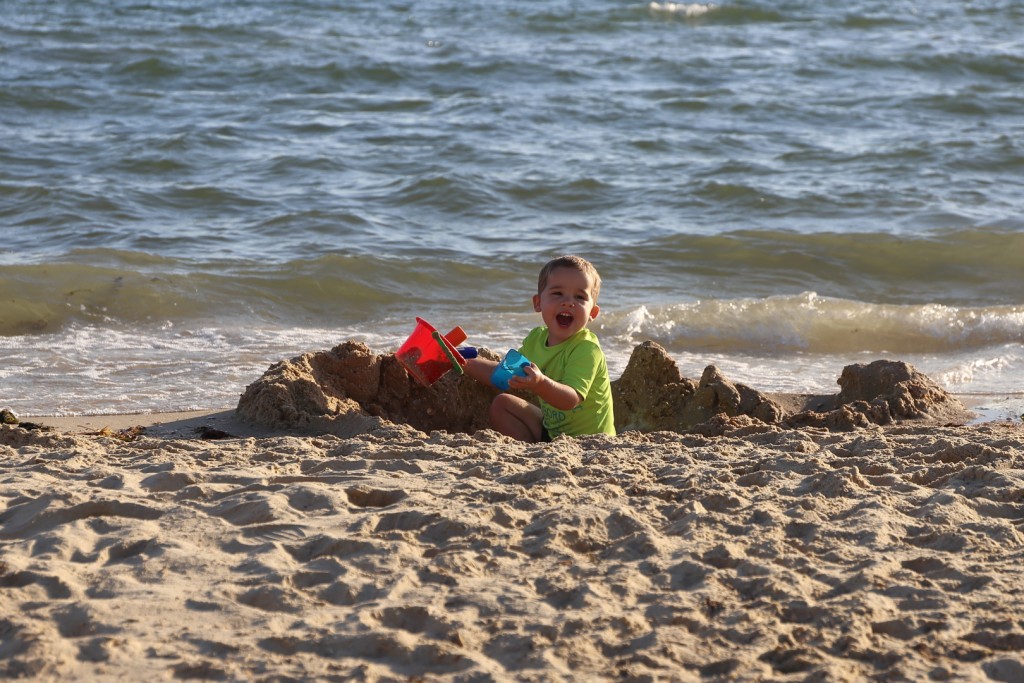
x: 534, y: 378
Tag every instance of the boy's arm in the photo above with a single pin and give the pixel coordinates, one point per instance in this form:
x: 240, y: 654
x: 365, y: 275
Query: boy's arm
x: 480, y: 369
x: 556, y: 394
x: 559, y: 395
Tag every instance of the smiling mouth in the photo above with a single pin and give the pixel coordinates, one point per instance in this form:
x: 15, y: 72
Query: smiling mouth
x: 564, y: 319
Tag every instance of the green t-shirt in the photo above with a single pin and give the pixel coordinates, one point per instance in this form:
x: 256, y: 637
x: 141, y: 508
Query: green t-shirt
x: 579, y: 363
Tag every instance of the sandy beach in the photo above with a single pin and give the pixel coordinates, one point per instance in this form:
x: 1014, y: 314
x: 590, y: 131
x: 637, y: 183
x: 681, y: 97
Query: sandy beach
x: 206, y: 546
x: 762, y: 554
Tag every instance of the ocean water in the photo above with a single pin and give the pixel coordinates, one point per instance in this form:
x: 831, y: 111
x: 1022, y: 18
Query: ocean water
x: 191, y: 191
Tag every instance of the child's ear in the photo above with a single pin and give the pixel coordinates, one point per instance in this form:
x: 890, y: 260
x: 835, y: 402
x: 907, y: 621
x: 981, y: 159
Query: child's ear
x: 594, y: 311
x: 536, y: 303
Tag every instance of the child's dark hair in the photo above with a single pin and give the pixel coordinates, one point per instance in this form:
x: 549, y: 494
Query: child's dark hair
x: 576, y: 263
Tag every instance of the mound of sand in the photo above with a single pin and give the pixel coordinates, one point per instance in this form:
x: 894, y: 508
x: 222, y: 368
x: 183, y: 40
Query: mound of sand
x: 326, y: 388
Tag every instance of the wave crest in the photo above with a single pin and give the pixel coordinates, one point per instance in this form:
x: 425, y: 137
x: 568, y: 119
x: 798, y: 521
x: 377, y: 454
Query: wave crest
x: 808, y: 323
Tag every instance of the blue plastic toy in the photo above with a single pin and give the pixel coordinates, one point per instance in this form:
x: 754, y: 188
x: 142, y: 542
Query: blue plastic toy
x: 514, y: 363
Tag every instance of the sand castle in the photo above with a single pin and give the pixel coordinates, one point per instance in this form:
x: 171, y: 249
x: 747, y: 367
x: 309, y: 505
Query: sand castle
x: 329, y: 388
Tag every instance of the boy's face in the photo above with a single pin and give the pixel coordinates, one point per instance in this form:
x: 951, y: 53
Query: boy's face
x: 566, y: 304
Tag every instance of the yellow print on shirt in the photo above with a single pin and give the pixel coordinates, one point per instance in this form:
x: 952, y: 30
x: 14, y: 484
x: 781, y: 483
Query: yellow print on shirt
x: 553, y: 417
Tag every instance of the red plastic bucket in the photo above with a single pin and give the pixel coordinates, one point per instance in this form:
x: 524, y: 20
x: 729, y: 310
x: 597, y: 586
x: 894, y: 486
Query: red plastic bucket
x: 427, y: 354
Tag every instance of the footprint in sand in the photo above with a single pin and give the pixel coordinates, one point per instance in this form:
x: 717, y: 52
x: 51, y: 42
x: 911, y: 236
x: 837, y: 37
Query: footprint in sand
x: 272, y: 599
x: 323, y: 546
x: 311, y: 579
x: 123, y: 550
x: 76, y: 621
x: 253, y: 507
x: 395, y: 648
x: 432, y: 528
x: 167, y: 481
x: 1006, y: 670
x: 275, y: 532
x: 365, y: 497
x: 414, y: 619
x: 308, y: 500
x: 53, y: 586
x: 43, y: 514
x: 201, y: 670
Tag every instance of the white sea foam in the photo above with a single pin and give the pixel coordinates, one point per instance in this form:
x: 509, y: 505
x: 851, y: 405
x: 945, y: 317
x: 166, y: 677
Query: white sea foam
x: 694, y: 9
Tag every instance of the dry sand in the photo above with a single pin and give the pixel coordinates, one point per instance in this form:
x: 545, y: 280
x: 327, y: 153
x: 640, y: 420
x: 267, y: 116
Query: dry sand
x: 766, y: 553
x: 316, y: 533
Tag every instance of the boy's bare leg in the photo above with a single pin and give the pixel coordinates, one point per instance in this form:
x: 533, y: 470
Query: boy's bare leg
x: 512, y: 416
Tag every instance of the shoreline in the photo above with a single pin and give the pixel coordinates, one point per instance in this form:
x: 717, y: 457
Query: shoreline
x: 985, y: 408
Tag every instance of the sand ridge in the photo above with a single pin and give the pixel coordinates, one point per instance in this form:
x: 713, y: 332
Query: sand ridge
x: 762, y: 553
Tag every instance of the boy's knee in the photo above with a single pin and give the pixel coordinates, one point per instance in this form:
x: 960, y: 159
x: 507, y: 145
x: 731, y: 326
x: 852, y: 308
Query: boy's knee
x: 512, y: 416
x: 501, y: 405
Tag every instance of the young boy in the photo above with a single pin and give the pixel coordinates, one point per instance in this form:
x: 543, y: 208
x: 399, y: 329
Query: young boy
x: 568, y: 373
